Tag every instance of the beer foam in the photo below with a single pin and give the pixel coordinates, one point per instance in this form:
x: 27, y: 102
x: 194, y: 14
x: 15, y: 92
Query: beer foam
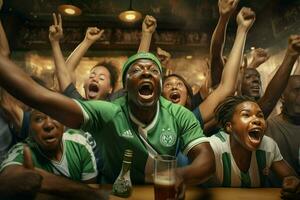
x: 164, y: 181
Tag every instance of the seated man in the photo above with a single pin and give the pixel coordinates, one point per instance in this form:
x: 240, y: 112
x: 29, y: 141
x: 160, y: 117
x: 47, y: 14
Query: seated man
x: 52, y: 152
x: 284, y: 128
x: 243, y: 155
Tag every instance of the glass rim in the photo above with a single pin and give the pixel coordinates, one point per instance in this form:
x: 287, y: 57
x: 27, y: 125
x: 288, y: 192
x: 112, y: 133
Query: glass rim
x: 165, y: 158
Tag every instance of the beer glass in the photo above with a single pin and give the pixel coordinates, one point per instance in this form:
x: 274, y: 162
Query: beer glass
x: 164, y: 177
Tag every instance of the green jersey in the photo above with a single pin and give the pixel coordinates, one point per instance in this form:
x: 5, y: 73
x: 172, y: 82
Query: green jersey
x: 227, y: 172
x: 77, y: 162
x: 115, y: 129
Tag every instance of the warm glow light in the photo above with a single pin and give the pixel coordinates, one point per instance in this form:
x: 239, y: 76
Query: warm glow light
x: 201, y: 76
x: 130, y: 16
x: 49, y: 67
x: 66, y: 9
x: 189, y: 57
x: 70, y: 11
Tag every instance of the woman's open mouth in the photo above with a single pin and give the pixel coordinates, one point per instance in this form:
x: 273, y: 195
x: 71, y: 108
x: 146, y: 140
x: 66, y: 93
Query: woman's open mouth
x: 255, y: 135
x: 93, y: 90
x: 175, y: 97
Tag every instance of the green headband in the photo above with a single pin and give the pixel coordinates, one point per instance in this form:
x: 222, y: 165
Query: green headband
x: 133, y: 58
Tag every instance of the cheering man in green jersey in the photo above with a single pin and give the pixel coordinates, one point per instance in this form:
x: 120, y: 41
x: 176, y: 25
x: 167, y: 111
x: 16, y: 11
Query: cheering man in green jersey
x: 55, y: 154
x: 141, y: 120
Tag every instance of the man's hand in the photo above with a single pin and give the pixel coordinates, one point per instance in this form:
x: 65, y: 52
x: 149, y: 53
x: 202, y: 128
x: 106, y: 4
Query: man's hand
x: 149, y: 24
x: 294, y: 45
x: 28, y: 181
x: 163, y: 56
x: 27, y: 163
x: 56, y: 30
x: 180, y: 187
x: 93, y: 34
x: 290, y: 188
x: 226, y: 7
x: 259, y: 56
x: 245, y: 18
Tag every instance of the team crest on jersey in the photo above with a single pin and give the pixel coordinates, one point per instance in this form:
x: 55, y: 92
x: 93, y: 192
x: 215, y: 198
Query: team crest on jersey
x: 167, y: 137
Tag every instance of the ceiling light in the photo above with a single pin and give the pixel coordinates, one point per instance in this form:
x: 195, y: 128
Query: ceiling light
x: 189, y: 57
x: 67, y: 9
x: 130, y: 15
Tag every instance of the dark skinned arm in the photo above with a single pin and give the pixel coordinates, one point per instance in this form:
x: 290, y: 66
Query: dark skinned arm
x: 291, y: 183
x: 226, y: 9
x: 202, y: 166
x: 279, y: 81
x: 21, y: 86
x: 148, y: 28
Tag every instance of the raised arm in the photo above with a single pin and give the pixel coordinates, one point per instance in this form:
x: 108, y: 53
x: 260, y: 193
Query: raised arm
x: 259, y: 57
x: 92, y: 35
x: 164, y: 58
x: 279, y: 81
x: 245, y: 19
x: 148, y: 28
x: 61, y: 71
x: 21, y: 86
x: 226, y: 8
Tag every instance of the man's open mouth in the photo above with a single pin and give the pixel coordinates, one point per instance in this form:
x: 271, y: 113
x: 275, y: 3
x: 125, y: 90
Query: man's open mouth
x: 175, y: 97
x: 146, y: 90
x: 255, y: 135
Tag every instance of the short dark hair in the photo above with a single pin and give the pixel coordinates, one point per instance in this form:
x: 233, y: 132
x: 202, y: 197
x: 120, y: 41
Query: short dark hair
x: 113, y: 72
x: 224, y: 111
x: 188, y: 88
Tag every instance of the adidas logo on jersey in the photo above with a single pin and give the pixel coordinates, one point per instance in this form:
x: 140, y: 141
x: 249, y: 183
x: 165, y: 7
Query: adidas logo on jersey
x: 127, y: 134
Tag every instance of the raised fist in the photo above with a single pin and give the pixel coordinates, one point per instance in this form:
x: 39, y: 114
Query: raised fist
x: 294, y: 45
x: 149, y: 24
x: 163, y: 56
x: 259, y: 56
x: 245, y: 18
x: 226, y: 7
x: 93, y: 34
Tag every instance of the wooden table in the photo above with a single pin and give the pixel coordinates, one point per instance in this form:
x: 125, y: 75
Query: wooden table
x: 147, y: 193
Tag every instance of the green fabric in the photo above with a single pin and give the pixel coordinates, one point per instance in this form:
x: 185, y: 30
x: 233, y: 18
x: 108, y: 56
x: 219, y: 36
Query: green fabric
x: 133, y: 58
x: 226, y: 169
x: 245, y: 180
x: 262, y: 164
x: 114, y: 132
x: 219, y: 135
x: 77, y: 162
